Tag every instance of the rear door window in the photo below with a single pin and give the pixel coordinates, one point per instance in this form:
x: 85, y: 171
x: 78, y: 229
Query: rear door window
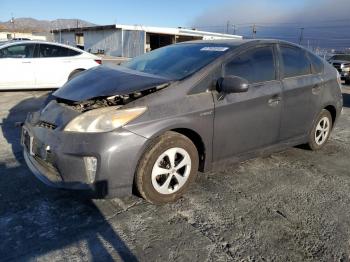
x: 18, y: 51
x: 46, y: 50
x: 295, y: 62
x: 255, y: 65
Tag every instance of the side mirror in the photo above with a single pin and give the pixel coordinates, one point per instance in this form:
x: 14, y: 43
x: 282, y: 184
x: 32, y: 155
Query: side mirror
x: 232, y: 84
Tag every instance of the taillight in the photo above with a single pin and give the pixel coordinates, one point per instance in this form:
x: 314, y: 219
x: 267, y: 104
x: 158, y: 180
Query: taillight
x: 98, y: 61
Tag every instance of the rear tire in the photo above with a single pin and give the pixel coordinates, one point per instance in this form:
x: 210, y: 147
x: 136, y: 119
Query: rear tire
x: 167, y: 168
x: 321, y: 130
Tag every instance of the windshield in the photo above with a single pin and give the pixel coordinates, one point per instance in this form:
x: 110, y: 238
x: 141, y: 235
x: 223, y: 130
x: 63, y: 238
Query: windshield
x: 177, y: 61
x: 341, y: 57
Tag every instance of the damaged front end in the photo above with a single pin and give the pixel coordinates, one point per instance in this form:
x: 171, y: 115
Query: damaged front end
x: 97, y: 88
x: 69, y: 144
x: 100, y: 102
x: 108, y: 81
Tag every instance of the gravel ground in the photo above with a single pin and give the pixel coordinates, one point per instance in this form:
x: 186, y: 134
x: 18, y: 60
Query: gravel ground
x: 290, y: 206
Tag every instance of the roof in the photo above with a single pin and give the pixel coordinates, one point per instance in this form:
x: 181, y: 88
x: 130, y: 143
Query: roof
x: 8, y: 43
x: 235, y: 42
x: 151, y: 29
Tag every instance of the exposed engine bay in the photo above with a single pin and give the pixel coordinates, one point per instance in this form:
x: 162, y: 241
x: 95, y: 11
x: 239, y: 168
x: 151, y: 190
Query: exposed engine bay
x: 99, y: 102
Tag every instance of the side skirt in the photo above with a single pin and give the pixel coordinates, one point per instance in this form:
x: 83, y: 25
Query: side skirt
x: 259, y: 152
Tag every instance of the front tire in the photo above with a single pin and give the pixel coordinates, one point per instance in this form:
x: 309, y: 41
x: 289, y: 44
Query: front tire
x: 321, y: 130
x: 167, y: 168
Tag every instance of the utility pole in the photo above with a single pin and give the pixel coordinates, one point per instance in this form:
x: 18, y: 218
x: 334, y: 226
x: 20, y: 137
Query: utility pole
x: 12, y: 21
x: 254, y: 31
x: 227, y: 26
x: 301, y: 37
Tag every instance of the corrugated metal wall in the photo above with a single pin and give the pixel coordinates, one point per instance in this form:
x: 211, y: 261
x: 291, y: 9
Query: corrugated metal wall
x: 67, y: 38
x: 133, y: 43
x: 109, y: 40
x: 114, y: 42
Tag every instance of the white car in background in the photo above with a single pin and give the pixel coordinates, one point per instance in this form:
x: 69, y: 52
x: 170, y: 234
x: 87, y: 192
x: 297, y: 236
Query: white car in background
x: 38, y: 64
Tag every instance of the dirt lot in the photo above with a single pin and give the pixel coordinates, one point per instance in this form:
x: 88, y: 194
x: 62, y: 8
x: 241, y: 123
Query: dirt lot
x: 293, y: 205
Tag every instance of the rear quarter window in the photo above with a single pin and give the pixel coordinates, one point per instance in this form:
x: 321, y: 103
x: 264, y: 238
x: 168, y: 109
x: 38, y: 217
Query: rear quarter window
x: 316, y: 63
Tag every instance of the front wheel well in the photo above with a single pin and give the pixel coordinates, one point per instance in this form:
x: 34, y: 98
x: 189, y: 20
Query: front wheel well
x: 197, y: 141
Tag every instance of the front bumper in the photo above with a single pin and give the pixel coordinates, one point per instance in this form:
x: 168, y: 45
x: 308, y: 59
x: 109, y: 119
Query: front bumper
x: 57, y: 158
x: 47, y: 175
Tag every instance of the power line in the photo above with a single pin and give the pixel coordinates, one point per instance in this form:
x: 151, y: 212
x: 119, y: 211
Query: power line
x: 286, y: 23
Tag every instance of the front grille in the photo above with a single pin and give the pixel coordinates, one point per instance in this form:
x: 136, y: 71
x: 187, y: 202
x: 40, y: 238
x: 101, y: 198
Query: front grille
x: 44, y: 124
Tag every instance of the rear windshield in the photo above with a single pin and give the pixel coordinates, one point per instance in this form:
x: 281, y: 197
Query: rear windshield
x: 177, y: 61
x: 341, y: 57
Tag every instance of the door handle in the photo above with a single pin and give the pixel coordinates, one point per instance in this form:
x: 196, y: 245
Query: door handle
x: 26, y: 62
x: 274, y: 100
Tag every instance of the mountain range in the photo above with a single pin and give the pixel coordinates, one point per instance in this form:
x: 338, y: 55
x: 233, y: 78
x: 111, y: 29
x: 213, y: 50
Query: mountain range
x: 26, y: 24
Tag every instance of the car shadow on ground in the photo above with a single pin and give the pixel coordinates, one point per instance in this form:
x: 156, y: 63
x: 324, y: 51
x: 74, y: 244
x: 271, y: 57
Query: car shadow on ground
x: 36, y: 220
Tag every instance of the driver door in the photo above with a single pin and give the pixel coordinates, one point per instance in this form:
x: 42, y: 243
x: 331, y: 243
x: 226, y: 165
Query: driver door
x: 16, y: 66
x: 250, y: 120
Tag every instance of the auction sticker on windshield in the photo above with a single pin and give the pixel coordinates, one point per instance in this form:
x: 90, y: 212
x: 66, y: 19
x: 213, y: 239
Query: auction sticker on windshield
x: 214, y: 48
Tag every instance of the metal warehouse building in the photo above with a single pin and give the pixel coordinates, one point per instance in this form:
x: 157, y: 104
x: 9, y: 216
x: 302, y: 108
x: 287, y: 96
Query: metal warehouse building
x: 130, y: 40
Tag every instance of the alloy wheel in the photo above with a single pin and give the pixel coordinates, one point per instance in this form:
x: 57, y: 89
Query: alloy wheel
x: 322, y: 130
x: 171, y: 170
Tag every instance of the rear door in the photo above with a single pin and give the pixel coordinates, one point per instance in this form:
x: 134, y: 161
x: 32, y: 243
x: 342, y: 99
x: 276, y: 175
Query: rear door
x: 301, y: 91
x: 16, y: 66
x: 250, y: 120
x: 54, y: 64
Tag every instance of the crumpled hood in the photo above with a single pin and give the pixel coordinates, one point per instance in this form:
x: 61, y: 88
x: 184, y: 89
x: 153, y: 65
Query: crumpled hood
x: 107, y: 81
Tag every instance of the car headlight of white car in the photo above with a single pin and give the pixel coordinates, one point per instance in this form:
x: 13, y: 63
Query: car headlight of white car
x: 346, y: 69
x: 103, y: 119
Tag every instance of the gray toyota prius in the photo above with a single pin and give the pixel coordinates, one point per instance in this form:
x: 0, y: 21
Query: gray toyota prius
x: 149, y: 125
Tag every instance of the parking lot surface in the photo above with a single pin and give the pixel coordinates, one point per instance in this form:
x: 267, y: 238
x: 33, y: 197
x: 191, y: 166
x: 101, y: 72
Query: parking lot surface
x: 291, y: 205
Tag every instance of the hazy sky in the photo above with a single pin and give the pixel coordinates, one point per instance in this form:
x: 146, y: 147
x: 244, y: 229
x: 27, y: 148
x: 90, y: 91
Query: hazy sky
x: 322, y: 19
x: 178, y: 12
x: 153, y: 12
x: 325, y: 23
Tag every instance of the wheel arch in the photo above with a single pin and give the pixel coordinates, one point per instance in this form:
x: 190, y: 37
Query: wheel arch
x: 333, y: 111
x: 77, y: 70
x: 197, y: 141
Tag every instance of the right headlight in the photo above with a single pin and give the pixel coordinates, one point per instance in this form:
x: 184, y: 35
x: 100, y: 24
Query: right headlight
x: 103, y: 119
